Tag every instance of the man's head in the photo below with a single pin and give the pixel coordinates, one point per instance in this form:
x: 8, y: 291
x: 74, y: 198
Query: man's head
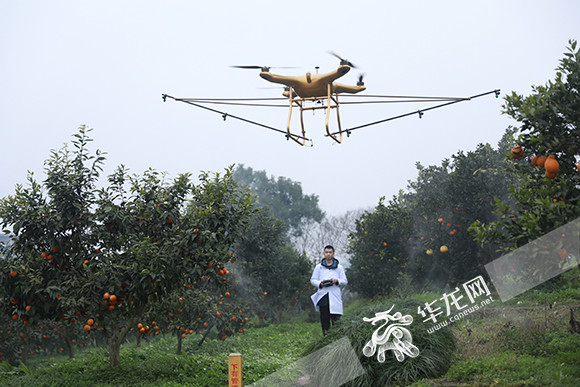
x: 328, y: 252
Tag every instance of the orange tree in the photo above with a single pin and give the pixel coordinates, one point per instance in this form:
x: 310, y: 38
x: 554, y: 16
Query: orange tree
x: 542, y: 200
x: 109, y: 255
x: 378, y: 247
x: 51, y: 237
x: 446, y: 200
x: 201, y: 307
x: 420, y: 237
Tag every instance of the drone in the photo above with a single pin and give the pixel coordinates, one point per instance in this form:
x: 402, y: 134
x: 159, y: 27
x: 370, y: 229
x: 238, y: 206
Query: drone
x: 311, y: 92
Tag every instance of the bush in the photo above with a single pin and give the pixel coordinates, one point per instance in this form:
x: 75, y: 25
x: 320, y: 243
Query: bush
x: 436, y: 349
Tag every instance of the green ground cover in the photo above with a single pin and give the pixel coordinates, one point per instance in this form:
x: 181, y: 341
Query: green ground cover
x: 527, y: 341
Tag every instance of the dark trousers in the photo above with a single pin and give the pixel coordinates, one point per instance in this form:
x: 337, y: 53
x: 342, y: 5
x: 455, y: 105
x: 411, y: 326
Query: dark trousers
x: 326, y: 318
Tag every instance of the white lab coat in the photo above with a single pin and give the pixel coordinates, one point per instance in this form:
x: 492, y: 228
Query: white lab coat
x: 334, y: 292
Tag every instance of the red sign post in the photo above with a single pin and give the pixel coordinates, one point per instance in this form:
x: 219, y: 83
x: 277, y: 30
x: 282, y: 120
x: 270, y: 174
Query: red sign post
x: 235, y: 370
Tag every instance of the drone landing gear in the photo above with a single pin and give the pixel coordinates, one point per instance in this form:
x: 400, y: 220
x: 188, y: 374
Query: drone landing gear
x: 332, y: 103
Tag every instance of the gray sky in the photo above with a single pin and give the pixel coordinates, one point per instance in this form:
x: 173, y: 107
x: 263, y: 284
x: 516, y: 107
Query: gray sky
x: 106, y: 63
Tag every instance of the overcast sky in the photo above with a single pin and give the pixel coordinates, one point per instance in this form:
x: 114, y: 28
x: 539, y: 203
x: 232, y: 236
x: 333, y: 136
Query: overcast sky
x: 106, y: 63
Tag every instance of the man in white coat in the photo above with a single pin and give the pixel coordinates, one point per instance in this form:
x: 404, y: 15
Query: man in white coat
x: 328, y: 277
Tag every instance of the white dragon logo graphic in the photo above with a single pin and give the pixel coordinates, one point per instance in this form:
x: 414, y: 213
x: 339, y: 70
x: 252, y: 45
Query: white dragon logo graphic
x: 402, y: 341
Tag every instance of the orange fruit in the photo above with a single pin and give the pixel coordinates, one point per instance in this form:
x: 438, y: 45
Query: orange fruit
x: 550, y: 175
x: 227, y: 294
x: 551, y: 164
x: 183, y: 336
x: 221, y: 272
x: 90, y: 321
x: 112, y: 298
x: 43, y: 255
x: 517, y: 151
x: 87, y: 328
x: 578, y: 167
x: 14, y: 317
x: 440, y: 220
x: 106, y: 296
x: 443, y: 249
x: 13, y: 273
x: 28, y: 307
x: 385, y: 244
x: 534, y: 160
x: 541, y: 160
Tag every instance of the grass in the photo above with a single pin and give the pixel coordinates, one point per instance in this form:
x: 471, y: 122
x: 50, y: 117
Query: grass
x: 517, y: 343
x: 525, y: 341
x: 264, y: 351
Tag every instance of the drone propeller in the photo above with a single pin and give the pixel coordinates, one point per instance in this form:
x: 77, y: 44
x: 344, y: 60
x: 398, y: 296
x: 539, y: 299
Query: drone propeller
x: 285, y: 88
x: 360, y: 80
x: 342, y: 60
x: 262, y: 68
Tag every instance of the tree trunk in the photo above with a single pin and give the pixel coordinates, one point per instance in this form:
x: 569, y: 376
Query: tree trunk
x: 205, y: 335
x: 138, y: 340
x: 261, y: 318
x: 117, y: 336
x: 24, y: 355
x: 69, y: 348
x: 115, y: 350
x: 179, y: 342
